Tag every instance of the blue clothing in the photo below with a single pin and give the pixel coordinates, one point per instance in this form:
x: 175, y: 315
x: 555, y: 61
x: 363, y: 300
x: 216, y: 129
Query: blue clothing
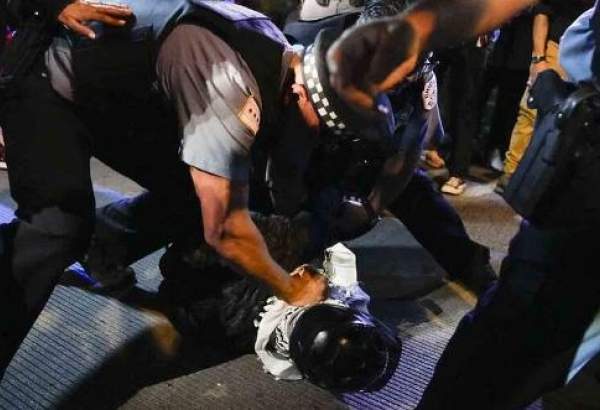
x: 580, y: 58
x: 579, y: 54
x: 540, y: 325
x: 522, y: 337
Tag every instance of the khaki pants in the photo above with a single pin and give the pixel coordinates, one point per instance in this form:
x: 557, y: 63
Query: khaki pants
x: 523, y: 129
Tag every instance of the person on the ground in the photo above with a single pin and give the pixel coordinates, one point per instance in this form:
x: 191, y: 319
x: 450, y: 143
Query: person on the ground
x: 460, y: 70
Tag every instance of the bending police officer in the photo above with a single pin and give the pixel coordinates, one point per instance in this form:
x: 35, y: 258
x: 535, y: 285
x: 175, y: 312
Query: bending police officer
x: 182, y: 75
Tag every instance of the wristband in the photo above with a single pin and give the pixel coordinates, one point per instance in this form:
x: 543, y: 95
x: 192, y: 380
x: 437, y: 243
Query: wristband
x: 537, y: 59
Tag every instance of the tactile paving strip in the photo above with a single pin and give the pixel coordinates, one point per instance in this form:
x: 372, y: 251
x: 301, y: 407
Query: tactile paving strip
x: 91, y: 351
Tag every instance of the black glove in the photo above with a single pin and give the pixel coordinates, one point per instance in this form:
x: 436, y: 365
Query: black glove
x: 354, y: 218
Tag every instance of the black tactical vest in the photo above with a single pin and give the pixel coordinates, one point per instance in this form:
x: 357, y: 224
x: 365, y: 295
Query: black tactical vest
x: 119, y: 66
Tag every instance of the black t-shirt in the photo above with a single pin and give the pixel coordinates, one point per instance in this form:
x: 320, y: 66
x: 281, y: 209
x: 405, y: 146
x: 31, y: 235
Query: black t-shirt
x: 561, y: 14
x: 513, y: 47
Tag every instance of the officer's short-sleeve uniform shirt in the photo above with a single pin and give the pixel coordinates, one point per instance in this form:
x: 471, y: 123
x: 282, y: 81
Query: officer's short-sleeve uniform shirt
x: 212, y: 89
x: 216, y: 98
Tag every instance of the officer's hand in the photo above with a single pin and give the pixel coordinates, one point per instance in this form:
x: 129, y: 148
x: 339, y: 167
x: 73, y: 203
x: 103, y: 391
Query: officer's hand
x: 76, y: 14
x: 352, y: 220
x: 372, y: 58
x: 308, y: 286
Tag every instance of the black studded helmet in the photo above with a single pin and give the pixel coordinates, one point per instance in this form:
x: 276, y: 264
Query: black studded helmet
x: 336, y: 115
x: 339, y: 349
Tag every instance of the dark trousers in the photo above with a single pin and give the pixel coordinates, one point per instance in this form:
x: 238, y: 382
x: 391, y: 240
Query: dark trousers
x: 460, y: 73
x: 427, y: 215
x: 436, y: 225
x: 48, y: 145
x: 522, y: 336
x: 510, y: 85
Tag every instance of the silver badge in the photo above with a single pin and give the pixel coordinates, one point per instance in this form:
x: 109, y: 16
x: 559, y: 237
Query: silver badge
x: 430, y: 93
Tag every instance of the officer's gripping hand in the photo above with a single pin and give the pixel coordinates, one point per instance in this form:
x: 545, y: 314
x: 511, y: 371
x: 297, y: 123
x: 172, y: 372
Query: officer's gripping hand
x: 76, y: 14
x: 372, y: 58
x: 309, y: 286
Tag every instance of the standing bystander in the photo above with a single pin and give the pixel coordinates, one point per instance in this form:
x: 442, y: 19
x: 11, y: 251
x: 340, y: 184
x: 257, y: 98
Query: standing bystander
x: 551, y: 19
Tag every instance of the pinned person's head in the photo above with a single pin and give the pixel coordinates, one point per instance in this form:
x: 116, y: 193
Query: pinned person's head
x: 340, y: 349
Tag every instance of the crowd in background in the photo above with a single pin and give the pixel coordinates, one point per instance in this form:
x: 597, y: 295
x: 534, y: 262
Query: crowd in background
x: 483, y: 89
x: 483, y: 92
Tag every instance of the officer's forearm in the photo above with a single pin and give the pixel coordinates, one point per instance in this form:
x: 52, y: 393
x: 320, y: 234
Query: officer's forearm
x: 443, y: 23
x: 242, y: 245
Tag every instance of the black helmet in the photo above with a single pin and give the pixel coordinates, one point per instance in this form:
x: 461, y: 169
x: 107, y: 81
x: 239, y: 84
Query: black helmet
x: 339, y: 349
x: 305, y: 32
x: 337, y: 116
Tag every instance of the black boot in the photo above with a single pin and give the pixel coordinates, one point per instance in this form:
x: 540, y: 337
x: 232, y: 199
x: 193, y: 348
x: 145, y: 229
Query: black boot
x: 478, y: 275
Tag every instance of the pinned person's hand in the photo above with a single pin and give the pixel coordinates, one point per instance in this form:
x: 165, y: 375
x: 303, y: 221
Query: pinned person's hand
x: 308, y: 286
x: 372, y: 58
x: 75, y: 15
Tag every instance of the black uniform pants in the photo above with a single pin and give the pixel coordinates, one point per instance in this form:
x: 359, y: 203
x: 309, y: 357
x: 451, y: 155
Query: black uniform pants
x: 520, y: 340
x: 437, y: 226
x: 48, y: 144
x: 460, y: 73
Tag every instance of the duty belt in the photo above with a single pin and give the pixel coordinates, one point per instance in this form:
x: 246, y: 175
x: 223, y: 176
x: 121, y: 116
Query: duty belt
x: 557, y: 182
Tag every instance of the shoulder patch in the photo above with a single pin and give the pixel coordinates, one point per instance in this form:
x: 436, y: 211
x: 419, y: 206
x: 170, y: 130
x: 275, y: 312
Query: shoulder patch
x: 429, y: 94
x: 249, y: 115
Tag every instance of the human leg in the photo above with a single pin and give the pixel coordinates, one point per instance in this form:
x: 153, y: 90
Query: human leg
x: 521, y: 338
x: 142, y: 145
x: 436, y: 225
x: 523, y: 129
x: 464, y: 89
x: 511, y: 84
x: 48, y: 152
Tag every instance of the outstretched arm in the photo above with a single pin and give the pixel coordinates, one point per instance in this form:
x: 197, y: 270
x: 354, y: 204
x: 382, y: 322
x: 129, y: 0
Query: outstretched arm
x: 229, y: 229
x: 541, y: 27
x: 375, y: 57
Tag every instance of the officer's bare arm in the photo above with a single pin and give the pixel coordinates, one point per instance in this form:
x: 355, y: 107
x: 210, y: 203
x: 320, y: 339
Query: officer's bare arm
x: 377, y: 56
x: 229, y: 229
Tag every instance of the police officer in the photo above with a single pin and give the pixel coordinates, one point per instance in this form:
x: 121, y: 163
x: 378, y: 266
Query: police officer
x: 408, y: 194
x: 405, y: 191
x: 536, y: 328
x: 196, y: 77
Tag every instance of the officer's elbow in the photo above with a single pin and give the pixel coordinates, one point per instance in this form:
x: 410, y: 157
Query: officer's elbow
x: 220, y: 241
